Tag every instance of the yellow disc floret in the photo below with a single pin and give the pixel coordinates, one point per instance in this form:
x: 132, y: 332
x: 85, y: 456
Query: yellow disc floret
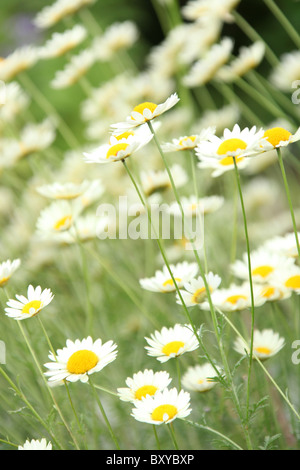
x: 164, y: 413
x: 277, y: 135
x: 82, y: 361
x: 145, y: 390
x: 115, y: 149
x: 32, y: 307
x: 172, y: 347
x: 231, y: 145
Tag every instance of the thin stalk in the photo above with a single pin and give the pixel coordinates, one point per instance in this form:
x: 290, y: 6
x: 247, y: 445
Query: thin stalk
x: 156, y: 437
x: 250, y: 279
x: 178, y: 372
x: 289, y: 28
x: 287, y: 190
x: 104, y: 414
x: 172, y: 433
x: 214, y: 431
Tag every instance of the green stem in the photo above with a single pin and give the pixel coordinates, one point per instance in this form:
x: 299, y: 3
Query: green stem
x: 250, y: 279
x: 104, y: 414
x: 178, y: 372
x: 287, y: 190
x: 156, y: 436
x: 214, y: 431
x: 289, y: 28
x: 172, y: 433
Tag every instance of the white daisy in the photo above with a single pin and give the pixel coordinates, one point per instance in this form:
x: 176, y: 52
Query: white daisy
x: 205, y: 69
x: 193, y: 206
x: 266, y: 343
x: 144, y: 383
x: 63, y: 190
x: 16, y: 101
x: 287, y: 71
x: 249, y: 58
x: 118, y: 148
x: 289, y: 278
x: 200, y: 378
x: 77, y: 67
x: 27, y: 307
x: 263, y: 265
x: 158, y: 180
x: 36, y: 444
x: 18, y: 61
x: 61, y: 43
x: 7, y: 269
x: 163, y: 407
x: 235, y: 297
x: 52, y: 14
x: 33, y: 138
x: 118, y: 36
x: 57, y: 217
x: 145, y: 112
x: 279, y: 137
x: 194, y: 291
x: 79, y: 359
x: 188, y: 142
x: 285, y: 245
x: 162, y: 280
x: 171, y: 342
x: 202, y: 10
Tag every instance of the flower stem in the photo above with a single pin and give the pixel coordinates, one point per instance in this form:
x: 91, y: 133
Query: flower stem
x: 287, y: 190
x: 250, y: 280
x: 104, y: 414
x: 172, y: 433
x: 289, y: 28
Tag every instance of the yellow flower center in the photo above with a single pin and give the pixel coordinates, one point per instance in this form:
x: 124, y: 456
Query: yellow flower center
x: 185, y: 142
x: 115, y: 149
x: 277, y: 135
x: 172, y: 347
x: 231, y: 145
x: 32, y: 307
x: 268, y: 292
x: 226, y: 161
x: 170, y: 282
x: 145, y: 390
x: 146, y: 105
x: 199, y: 295
x: 3, y: 281
x: 263, y: 350
x: 262, y: 271
x: 233, y: 299
x: 124, y: 135
x: 82, y: 361
x: 64, y: 223
x: 164, y: 413
x: 293, y: 282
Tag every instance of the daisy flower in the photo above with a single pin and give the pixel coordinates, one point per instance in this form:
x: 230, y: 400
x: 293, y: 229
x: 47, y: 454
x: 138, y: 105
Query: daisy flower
x: 289, y: 278
x: 285, y: 245
x: 77, y: 67
x: 18, y: 61
x: 266, y: 343
x: 235, y: 297
x: 194, y: 291
x: 52, y: 14
x: 16, y: 101
x: 163, y: 407
x: 171, y: 342
x: 199, y: 10
x: 192, y: 206
x: 118, y: 36
x: 57, y: 218
x: 249, y: 58
x: 63, y: 190
x: 145, y: 112
x: 287, y: 71
x: 27, y: 307
x: 33, y: 138
x: 188, y: 142
x: 144, y: 383
x: 263, y: 265
x: 279, y: 137
x: 118, y: 148
x: 200, y: 378
x: 61, y: 43
x: 274, y: 290
x: 36, y: 444
x: 163, y: 282
x: 7, y: 269
x: 153, y: 181
x: 79, y: 359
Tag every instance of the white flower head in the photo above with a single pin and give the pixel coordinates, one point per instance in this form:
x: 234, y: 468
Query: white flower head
x: 266, y: 343
x: 171, y: 342
x: 35, y: 444
x: 235, y: 297
x: 194, y: 291
x: 163, y: 282
x: 200, y: 378
x: 7, y: 269
x: 27, y: 307
x: 61, y: 43
x: 163, y: 407
x: 144, y: 383
x: 79, y: 359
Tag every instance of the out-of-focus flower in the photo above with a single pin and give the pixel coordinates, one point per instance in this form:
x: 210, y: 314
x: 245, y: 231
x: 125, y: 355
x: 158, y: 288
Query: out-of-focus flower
x: 7, y: 269
x: 266, y: 343
x: 36, y: 444
x: 52, y: 14
x: 194, y: 291
x: 77, y: 67
x: 287, y: 71
x: 248, y: 59
x: 118, y: 36
x: 153, y: 181
x: 18, y: 61
x: 188, y: 142
x: 61, y: 43
x: 235, y: 297
x: 63, y: 190
x: 200, y: 378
